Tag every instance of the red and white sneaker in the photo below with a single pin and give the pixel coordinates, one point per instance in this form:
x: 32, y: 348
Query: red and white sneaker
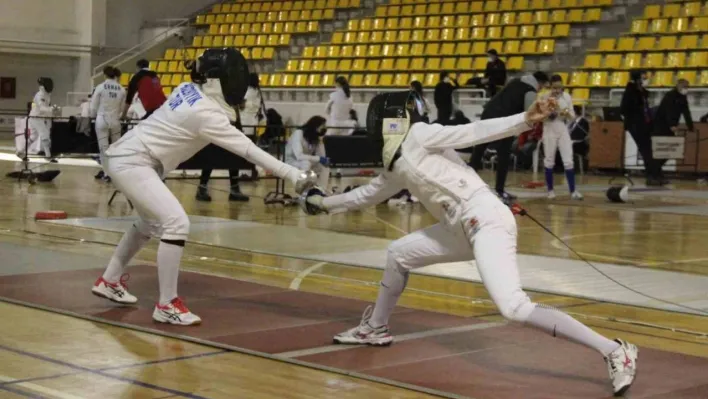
x: 175, y: 312
x: 365, y: 334
x: 622, y: 365
x: 116, y: 292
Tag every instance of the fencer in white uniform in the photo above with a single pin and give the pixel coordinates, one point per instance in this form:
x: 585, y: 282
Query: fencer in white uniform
x: 106, y: 106
x: 252, y: 104
x: 473, y: 224
x: 194, y: 115
x: 339, y: 108
x: 556, y: 137
x: 305, y: 149
x: 40, y: 124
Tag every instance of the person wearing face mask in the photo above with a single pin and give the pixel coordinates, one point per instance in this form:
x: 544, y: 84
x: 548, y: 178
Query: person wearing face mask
x: 494, y: 74
x: 557, y: 137
x: 305, y: 149
x: 443, y: 97
x: 673, y: 105
x: 517, y: 96
x: 635, y: 110
x: 338, y: 108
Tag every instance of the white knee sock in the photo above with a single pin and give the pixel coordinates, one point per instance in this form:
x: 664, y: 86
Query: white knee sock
x: 392, y: 285
x: 128, y: 247
x: 560, y: 324
x: 168, y: 259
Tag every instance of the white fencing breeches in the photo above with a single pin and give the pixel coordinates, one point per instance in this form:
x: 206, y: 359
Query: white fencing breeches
x: 490, y: 238
x: 107, y: 132
x: 323, y: 172
x: 139, y: 179
x: 557, y: 137
x: 41, y: 128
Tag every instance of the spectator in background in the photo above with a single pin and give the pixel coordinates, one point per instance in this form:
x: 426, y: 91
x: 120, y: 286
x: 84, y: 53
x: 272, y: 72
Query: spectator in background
x: 443, y: 97
x: 579, y: 132
x: 494, y: 74
x: 305, y: 149
x: 417, y: 87
x: 252, y: 107
x: 146, y: 85
x: 673, y: 105
x: 84, y: 124
x: 636, y: 113
x: 339, y: 107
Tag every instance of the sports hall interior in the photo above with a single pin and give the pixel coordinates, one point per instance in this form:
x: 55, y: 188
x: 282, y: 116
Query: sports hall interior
x: 273, y: 284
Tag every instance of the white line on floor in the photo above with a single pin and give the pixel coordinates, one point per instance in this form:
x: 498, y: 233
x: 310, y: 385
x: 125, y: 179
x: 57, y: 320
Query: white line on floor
x: 295, y: 284
x: 398, y: 338
x: 40, y: 389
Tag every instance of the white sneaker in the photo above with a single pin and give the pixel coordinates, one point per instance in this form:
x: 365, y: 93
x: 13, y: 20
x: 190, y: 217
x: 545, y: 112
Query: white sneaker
x: 622, y: 365
x: 116, y: 292
x: 551, y: 195
x: 175, y: 312
x: 413, y: 199
x: 576, y: 196
x: 365, y: 334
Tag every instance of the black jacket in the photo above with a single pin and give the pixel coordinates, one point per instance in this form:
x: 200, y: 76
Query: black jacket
x: 635, y: 105
x: 496, y: 72
x: 672, y: 106
x: 509, y: 101
x: 443, y: 95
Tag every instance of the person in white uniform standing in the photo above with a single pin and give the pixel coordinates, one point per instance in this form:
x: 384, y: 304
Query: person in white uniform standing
x: 40, y: 123
x: 194, y: 115
x: 556, y: 136
x: 251, y: 112
x: 473, y: 224
x: 305, y: 149
x: 338, y: 109
x: 106, y: 106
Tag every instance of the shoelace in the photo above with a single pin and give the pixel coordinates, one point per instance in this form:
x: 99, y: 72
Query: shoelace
x: 124, y: 280
x: 178, y: 304
x: 366, y: 316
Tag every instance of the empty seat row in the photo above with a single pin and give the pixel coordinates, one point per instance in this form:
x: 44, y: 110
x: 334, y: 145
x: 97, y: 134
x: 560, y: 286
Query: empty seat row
x: 399, y: 64
x: 692, y: 60
x: 536, y: 47
x: 242, y: 40
x: 688, y: 9
x: 267, y: 27
x: 466, y: 7
x: 245, y: 7
x: 281, y: 16
x: 646, y: 43
x: 462, y: 21
x: 665, y: 25
x: 620, y: 78
x: 452, y: 34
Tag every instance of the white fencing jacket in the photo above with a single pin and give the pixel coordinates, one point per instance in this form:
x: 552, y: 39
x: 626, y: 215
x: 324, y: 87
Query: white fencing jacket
x: 298, y: 149
x: 41, y: 104
x: 108, y: 99
x: 186, y: 123
x: 560, y: 124
x: 431, y: 170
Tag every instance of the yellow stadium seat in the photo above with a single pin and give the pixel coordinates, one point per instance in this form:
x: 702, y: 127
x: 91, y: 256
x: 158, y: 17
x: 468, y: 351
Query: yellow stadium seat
x: 632, y: 61
x: 524, y: 18
x: 374, y: 51
x: 671, y: 10
x: 167, y: 90
x: 703, y: 78
x: 479, y: 64
x: 388, y: 50
x: 330, y: 65
x: 613, y: 61
x: 606, y: 45
x: 417, y: 64
x: 544, y: 30
x: 692, y: 9
x: 510, y: 32
x: 662, y: 79
x: 700, y: 24
x: 292, y: 65
x: 432, y: 35
x: 201, y: 20
x: 362, y: 37
x: 376, y: 37
x: 165, y: 79
x: 447, y: 49
x: 125, y: 79
x: 528, y: 47
x: 479, y: 48
x: 679, y: 25
x: 506, y: 5
x: 508, y: 18
x: 527, y: 31
x: 491, y: 5
x: 268, y: 53
x: 197, y: 41
x: 390, y: 36
x: 540, y: 17
x: 494, y: 32
x: 356, y: 80
x: 546, y: 46
x: 170, y: 54
x: 654, y: 60
x: 345, y: 65
x: 667, y: 43
x: 385, y: 80
x: 493, y: 19
x: 476, y: 7
x: 359, y: 64
x: 563, y: 76
x: 538, y: 4
x: 218, y: 41
x: 381, y: 11
x: 515, y: 63
x: 432, y: 49
x: 646, y: 43
x: 675, y: 60
x: 228, y: 41
x: 288, y: 80
x: 404, y: 36
x: 387, y: 64
x: 659, y: 25
x: 463, y: 64
x: 474, y: 34
x: 688, y: 42
x: 690, y: 76
x: 577, y: 15
x: 619, y: 78
x: 430, y: 79
x: 652, y: 12
x: 433, y: 64
x: 639, y: 26
x: 402, y: 64
x: 558, y: 16
x: 417, y: 49
x: 240, y: 40
x: 579, y: 79
x: 698, y: 59
x: 512, y: 47
x: 402, y: 50
x: 561, y: 30
x: 401, y: 80
x: 580, y: 95
x: 162, y: 66
x: 303, y: 65
x: 434, y: 20
x: 420, y: 22
x: 477, y: 20
x: 626, y: 44
x: 300, y: 80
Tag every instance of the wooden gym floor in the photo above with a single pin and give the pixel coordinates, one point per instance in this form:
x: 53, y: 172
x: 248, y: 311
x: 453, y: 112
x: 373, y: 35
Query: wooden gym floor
x: 272, y: 289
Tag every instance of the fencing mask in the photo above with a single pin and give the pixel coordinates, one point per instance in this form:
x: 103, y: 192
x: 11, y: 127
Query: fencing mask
x: 389, y: 118
x: 47, y: 83
x: 228, y: 66
x: 619, y: 194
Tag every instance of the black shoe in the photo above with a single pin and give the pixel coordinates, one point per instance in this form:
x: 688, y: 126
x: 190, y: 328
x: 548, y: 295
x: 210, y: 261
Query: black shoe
x: 238, y: 196
x: 99, y: 175
x: 506, y: 197
x: 203, y: 195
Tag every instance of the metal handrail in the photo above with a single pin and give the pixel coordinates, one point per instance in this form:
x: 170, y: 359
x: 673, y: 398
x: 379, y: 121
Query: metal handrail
x: 661, y: 90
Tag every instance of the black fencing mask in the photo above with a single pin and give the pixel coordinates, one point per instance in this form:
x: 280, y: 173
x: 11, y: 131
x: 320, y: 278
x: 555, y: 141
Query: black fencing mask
x: 47, y: 83
x: 618, y: 194
x: 230, y: 67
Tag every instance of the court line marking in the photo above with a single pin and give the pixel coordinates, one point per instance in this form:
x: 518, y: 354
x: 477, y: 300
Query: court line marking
x: 398, y: 338
x: 295, y: 284
x: 20, y: 392
x: 41, y: 389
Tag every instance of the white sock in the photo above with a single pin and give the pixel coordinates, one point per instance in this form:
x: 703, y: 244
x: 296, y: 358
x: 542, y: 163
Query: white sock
x: 168, y: 259
x: 127, y: 248
x: 392, y: 285
x: 560, y: 324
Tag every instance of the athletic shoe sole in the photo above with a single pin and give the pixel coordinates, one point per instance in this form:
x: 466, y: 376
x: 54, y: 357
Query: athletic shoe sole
x: 104, y: 296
